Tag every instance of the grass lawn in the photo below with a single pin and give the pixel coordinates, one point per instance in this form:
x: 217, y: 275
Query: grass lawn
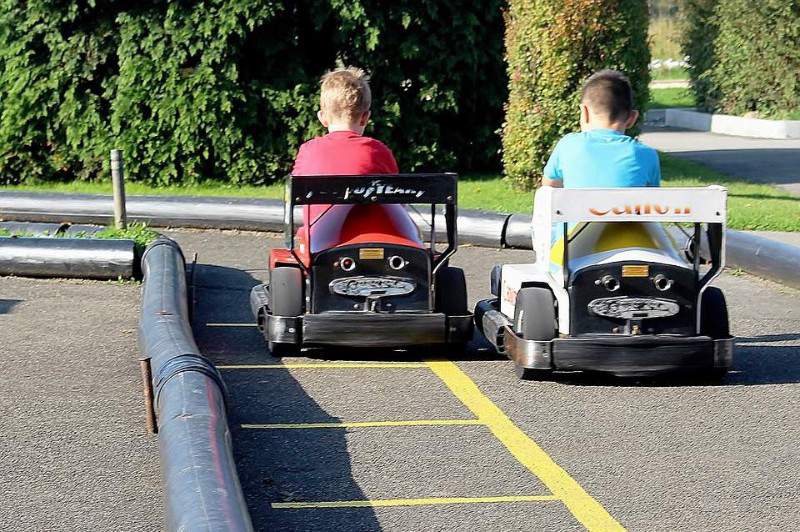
x: 138, y: 232
x: 672, y: 97
x: 750, y: 206
x: 669, y: 74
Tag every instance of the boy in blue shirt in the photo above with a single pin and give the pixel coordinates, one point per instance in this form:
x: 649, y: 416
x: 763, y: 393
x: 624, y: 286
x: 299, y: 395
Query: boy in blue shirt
x: 602, y: 155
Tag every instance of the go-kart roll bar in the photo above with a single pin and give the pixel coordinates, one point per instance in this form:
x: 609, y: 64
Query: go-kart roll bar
x: 432, y: 189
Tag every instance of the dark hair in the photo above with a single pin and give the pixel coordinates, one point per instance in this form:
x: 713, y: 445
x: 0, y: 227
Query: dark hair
x: 609, y: 92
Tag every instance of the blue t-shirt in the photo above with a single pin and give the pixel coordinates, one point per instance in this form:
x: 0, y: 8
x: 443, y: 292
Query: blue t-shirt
x: 603, y: 158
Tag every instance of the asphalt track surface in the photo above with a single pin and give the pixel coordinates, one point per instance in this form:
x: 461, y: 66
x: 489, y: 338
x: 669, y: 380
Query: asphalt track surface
x: 650, y: 456
x: 774, y: 161
x: 388, y: 445
x: 74, y: 452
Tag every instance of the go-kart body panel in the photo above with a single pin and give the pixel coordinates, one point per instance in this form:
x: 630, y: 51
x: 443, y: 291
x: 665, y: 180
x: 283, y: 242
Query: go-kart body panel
x: 647, y: 317
x: 368, y: 277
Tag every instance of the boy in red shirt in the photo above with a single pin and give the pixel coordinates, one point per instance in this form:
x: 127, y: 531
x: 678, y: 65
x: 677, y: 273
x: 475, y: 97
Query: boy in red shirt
x: 345, y: 100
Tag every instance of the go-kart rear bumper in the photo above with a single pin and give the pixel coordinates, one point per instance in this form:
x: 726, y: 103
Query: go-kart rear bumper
x: 617, y: 354
x: 620, y: 354
x: 369, y: 329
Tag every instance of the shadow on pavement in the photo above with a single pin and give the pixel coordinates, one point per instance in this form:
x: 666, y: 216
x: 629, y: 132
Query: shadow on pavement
x: 274, y: 465
x: 7, y: 305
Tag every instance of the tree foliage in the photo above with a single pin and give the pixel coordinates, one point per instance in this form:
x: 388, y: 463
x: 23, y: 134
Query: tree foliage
x: 227, y: 89
x: 745, y: 56
x: 552, y: 46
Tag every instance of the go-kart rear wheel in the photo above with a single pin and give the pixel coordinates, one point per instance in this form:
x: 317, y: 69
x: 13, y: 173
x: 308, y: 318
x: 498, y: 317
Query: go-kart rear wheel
x: 714, y: 323
x: 534, y: 319
x: 285, y: 299
x: 286, y: 291
x: 714, y: 314
x: 451, y: 292
x: 283, y: 350
x: 535, y: 314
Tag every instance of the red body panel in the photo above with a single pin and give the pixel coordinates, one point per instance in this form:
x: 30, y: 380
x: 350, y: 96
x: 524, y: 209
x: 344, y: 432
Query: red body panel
x: 343, y: 225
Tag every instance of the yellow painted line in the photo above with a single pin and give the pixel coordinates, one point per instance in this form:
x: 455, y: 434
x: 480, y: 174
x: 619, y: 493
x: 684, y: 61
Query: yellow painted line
x: 330, y: 365
x: 357, y: 424
x: 231, y: 325
x: 587, y: 510
x: 412, y: 502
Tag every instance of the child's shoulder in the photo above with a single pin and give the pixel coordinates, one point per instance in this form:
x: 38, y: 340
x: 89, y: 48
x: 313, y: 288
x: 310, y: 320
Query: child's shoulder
x: 374, y: 143
x: 570, y: 139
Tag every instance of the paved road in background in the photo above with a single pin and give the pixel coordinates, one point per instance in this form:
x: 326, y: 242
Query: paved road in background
x: 758, y: 160
x: 657, y: 456
x: 74, y: 453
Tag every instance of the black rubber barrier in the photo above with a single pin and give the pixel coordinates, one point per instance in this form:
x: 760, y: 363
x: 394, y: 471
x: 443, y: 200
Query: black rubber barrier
x: 479, y: 228
x: 751, y: 253
x: 764, y: 257
x: 203, y: 213
x: 67, y: 257
x: 50, y: 229
x: 200, y: 482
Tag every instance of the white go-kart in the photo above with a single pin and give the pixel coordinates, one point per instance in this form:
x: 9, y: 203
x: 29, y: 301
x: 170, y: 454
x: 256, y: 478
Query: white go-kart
x: 621, y: 285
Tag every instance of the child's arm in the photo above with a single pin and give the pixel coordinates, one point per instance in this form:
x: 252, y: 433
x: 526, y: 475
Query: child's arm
x: 552, y: 176
x: 555, y: 183
x: 655, y: 178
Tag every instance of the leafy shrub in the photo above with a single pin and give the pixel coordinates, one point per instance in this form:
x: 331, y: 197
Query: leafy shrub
x: 697, y: 43
x: 227, y: 89
x: 551, y: 47
x: 757, y: 52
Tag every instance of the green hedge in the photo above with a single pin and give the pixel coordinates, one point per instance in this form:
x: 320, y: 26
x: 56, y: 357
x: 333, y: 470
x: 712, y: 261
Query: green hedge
x: 745, y: 56
x: 700, y: 31
x: 758, y: 58
x: 551, y: 47
x: 227, y: 89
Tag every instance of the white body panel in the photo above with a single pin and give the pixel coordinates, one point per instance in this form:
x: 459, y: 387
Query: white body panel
x: 512, y: 280
x: 559, y: 206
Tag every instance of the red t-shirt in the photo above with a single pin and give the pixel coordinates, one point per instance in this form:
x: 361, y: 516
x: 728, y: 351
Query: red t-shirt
x: 344, y: 153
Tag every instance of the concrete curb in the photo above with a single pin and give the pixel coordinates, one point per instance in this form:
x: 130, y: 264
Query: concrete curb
x: 732, y: 125
x: 760, y: 256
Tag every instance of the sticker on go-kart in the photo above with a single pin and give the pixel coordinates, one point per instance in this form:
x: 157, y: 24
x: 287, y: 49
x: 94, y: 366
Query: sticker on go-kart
x: 633, y: 308
x: 372, y: 286
x: 510, y: 295
x: 378, y: 189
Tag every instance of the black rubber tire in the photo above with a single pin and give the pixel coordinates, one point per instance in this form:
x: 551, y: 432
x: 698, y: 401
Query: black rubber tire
x: 535, y: 314
x: 714, y: 314
x: 286, y: 291
x: 528, y: 374
x: 451, y: 292
x: 285, y: 299
x: 283, y: 350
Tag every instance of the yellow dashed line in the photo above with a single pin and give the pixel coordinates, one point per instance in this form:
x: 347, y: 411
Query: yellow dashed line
x: 588, y: 511
x: 330, y: 365
x: 358, y: 424
x: 375, y: 503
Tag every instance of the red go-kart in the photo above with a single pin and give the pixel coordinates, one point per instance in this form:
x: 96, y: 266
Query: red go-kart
x: 358, y: 272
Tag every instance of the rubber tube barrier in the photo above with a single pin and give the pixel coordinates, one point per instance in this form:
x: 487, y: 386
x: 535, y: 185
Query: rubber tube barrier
x: 201, y: 486
x: 757, y: 255
x: 764, y: 257
x: 67, y: 257
x: 196, y: 212
x: 49, y: 229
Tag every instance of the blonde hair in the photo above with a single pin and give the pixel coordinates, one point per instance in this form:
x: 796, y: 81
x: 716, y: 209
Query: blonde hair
x: 345, y: 94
